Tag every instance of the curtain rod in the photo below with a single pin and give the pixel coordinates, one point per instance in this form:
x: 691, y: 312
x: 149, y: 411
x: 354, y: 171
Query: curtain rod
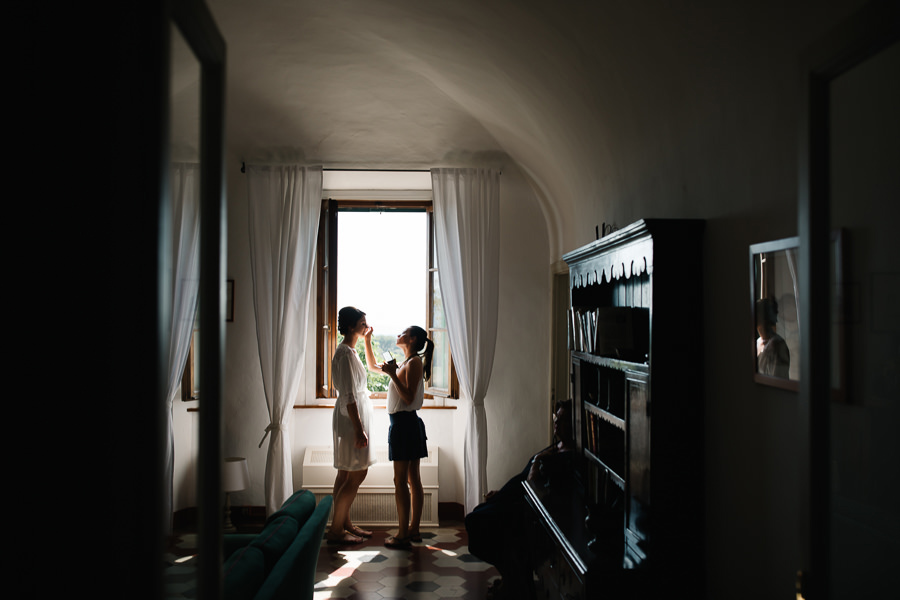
x: 244, y: 170
x: 385, y: 170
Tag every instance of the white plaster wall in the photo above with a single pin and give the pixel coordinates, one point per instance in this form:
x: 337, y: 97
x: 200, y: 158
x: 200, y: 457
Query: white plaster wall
x: 517, y: 405
x: 184, y: 474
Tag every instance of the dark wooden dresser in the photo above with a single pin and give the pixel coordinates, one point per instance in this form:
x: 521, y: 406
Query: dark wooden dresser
x: 629, y: 522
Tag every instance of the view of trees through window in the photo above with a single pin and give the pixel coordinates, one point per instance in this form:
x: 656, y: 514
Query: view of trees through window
x: 383, y: 266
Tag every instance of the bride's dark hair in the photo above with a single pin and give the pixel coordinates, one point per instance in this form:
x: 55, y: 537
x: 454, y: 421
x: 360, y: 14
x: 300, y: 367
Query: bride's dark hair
x: 422, y: 341
x: 348, y: 317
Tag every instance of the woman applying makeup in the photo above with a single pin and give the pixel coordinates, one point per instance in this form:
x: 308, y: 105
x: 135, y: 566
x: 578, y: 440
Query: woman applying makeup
x: 406, y: 436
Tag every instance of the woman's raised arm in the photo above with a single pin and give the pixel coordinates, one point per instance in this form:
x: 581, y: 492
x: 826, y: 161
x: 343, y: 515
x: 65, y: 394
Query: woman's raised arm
x: 370, y: 356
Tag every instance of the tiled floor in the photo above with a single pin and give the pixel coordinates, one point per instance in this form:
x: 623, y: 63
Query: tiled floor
x: 439, y: 567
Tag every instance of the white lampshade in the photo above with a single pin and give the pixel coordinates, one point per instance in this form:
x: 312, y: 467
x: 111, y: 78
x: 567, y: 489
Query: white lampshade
x: 235, y: 474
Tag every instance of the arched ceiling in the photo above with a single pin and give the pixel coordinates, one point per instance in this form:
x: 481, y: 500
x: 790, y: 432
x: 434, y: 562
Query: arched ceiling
x: 414, y: 84
x: 583, y: 96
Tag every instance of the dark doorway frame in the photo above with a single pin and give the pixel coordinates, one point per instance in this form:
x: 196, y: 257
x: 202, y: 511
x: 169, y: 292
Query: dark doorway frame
x: 872, y: 29
x: 135, y: 301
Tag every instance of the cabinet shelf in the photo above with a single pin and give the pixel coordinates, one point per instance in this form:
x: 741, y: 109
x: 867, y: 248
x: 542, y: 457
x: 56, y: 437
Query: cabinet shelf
x: 613, y: 475
x: 606, y: 416
x: 603, y: 439
x: 612, y: 363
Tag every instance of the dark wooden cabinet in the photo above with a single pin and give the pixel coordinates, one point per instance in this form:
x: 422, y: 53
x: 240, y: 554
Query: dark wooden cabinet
x: 629, y: 524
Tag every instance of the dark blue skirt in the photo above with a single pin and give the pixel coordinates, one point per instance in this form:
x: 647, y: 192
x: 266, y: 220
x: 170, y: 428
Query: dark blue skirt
x: 406, y: 437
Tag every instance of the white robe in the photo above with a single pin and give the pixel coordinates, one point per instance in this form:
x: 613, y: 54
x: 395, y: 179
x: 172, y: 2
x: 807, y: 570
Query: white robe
x: 348, y: 375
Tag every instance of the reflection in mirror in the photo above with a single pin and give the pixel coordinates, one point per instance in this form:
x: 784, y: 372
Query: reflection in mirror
x: 185, y: 101
x: 775, y: 302
x: 190, y: 142
x: 184, y: 187
x: 183, y: 210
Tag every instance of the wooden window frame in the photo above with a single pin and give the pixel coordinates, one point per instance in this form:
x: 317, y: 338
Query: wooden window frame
x: 189, y: 381
x: 326, y: 293
x: 326, y: 298
x: 453, y: 391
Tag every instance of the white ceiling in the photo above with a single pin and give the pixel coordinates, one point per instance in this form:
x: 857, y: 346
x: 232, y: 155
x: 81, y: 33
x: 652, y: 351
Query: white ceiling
x: 587, y: 98
x: 356, y: 83
x: 413, y: 84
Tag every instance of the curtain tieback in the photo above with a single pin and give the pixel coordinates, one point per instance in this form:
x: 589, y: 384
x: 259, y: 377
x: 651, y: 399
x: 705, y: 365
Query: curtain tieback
x: 271, y: 427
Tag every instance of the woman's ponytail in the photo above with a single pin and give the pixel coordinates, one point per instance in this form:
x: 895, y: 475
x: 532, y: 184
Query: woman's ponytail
x: 426, y: 360
x: 422, y: 341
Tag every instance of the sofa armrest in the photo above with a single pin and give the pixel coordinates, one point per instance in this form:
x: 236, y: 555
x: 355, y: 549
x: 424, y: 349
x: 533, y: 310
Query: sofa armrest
x: 293, y: 576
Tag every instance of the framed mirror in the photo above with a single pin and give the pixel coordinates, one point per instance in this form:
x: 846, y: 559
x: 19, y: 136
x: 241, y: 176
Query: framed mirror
x: 197, y: 105
x: 774, y: 310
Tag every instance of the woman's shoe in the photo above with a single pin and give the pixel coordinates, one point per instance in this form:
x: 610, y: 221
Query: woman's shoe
x: 358, y: 532
x: 398, y: 543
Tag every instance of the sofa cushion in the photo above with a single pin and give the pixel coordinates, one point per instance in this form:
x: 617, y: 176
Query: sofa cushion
x: 275, y: 538
x: 232, y: 542
x: 244, y: 574
x: 293, y: 577
x: 299, y: 506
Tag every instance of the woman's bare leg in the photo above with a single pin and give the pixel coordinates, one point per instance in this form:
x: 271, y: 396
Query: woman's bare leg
x: 338, y: 515
x: 354, y: 480
x: 346, y: 485
x: 401, y: 495
x: 417, y: 497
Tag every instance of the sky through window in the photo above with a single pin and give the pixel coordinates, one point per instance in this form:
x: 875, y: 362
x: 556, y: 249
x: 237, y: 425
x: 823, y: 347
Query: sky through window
x: 382, y: 261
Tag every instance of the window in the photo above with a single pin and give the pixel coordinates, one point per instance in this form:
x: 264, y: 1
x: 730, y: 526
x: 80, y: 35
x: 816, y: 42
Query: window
x: 373, y: 221
x: 190, y: 379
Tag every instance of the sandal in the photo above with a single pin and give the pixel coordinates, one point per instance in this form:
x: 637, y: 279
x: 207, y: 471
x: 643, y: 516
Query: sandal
x: 346, y: 539
x: 398, y: 543
x: 415, y: 537
x: 358, y: 532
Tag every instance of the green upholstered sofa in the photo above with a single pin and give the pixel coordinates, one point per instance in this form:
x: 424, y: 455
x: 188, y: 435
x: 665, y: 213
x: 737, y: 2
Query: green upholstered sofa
x: 280, y: 561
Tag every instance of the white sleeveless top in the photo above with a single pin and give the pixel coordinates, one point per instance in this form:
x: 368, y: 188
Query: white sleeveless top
x: 396, y: 404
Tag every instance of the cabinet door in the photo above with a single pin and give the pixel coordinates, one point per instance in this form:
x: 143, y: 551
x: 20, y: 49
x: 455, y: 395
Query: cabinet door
x: 638, y: 479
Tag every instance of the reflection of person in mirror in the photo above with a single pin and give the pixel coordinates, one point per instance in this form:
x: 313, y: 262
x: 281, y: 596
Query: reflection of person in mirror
x: 772, y: 354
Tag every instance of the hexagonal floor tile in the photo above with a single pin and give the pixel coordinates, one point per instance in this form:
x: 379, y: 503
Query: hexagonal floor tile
x: 462, y: 560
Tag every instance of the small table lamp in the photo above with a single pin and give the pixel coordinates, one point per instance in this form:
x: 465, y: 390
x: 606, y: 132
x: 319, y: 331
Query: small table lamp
x: 235, y: 477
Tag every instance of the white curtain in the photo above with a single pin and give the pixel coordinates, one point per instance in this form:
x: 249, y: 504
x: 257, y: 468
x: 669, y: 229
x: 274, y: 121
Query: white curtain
x: 285, y: 202
x: 185, y: 278
x: 467, y: 235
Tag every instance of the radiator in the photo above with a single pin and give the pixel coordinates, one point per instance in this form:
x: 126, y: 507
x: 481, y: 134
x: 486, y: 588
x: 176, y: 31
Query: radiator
x: 374, y: 504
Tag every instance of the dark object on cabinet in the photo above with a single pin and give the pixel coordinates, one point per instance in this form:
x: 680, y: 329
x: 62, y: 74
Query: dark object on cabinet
x: 631, y: 523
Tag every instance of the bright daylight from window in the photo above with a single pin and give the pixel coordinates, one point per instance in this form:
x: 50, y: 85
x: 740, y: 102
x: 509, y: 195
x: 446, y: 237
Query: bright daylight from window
x: 382, y: 268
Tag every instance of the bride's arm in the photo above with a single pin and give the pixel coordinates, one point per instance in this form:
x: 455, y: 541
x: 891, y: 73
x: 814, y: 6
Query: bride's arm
x: 370, y: 356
